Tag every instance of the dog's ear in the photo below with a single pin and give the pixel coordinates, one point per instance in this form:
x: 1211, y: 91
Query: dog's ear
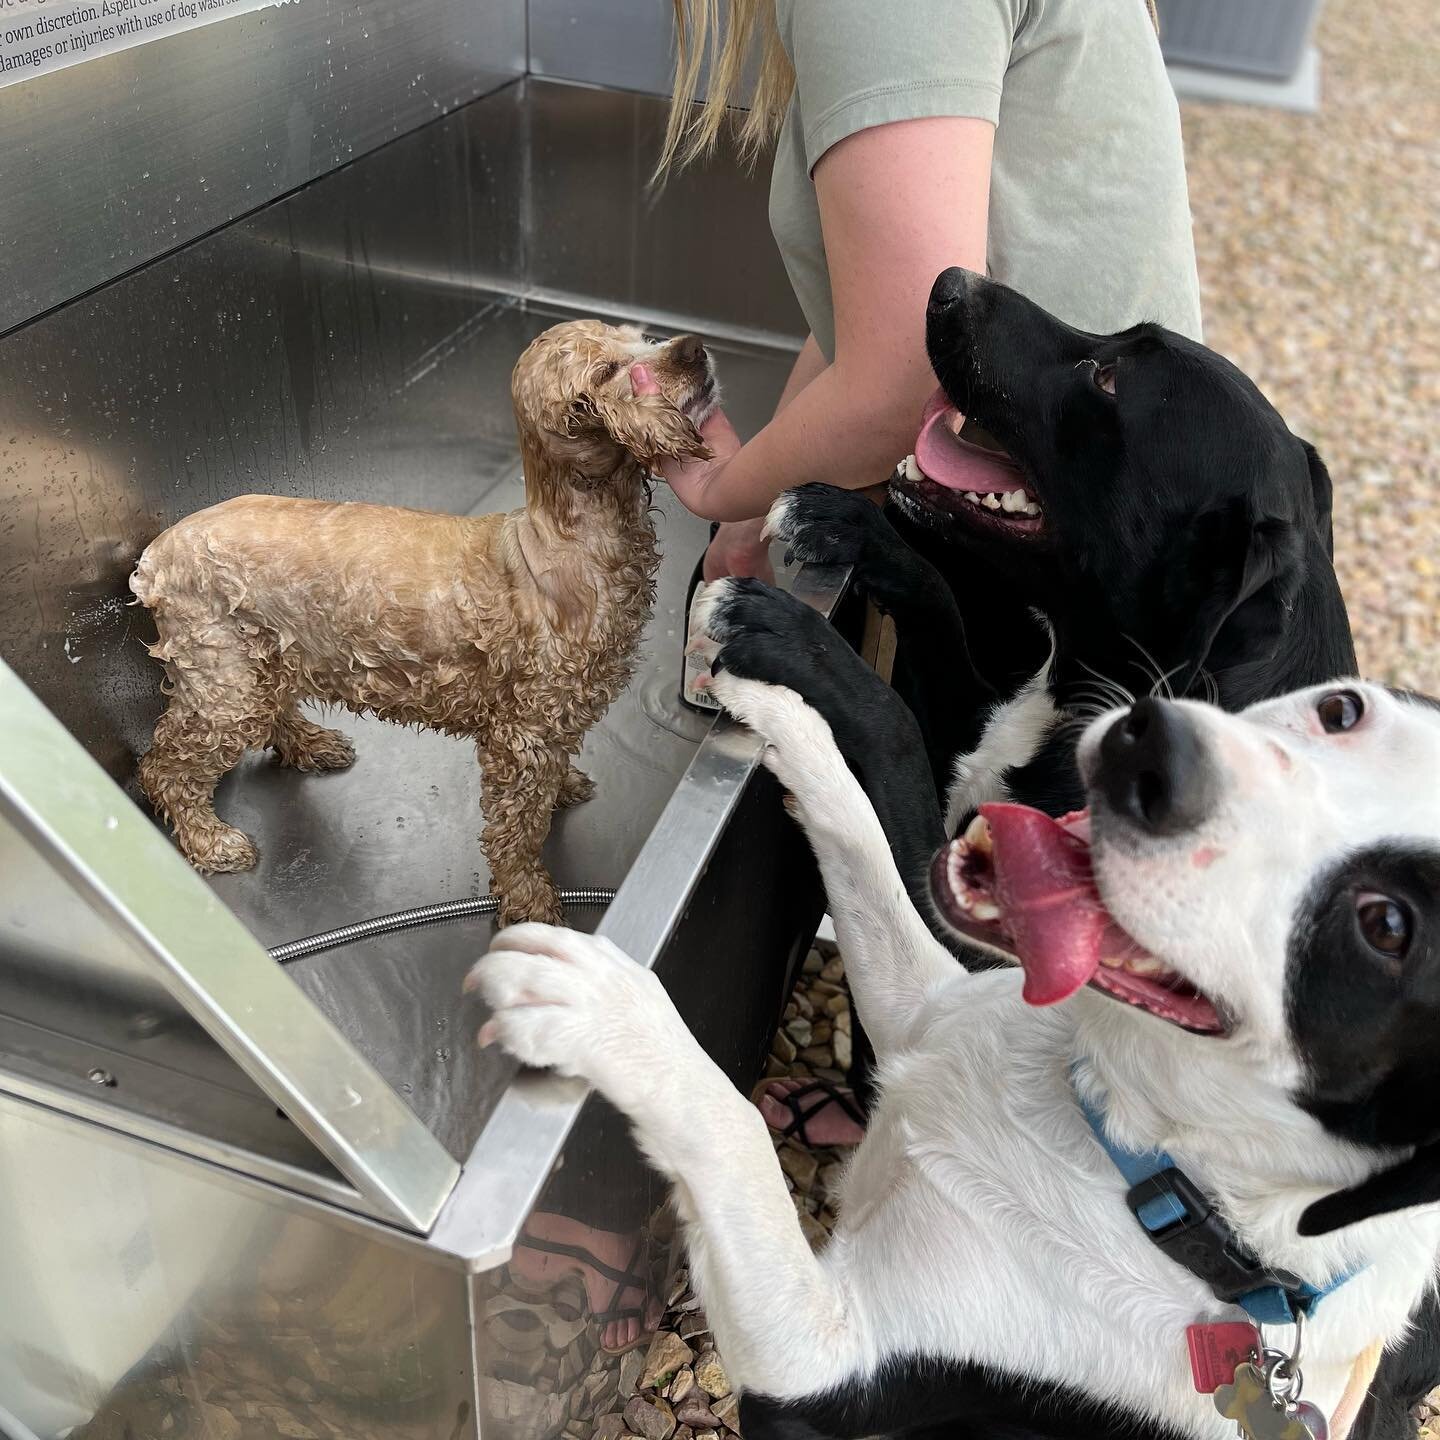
x: 1415, y: 1181
x: 1323, y: 494
x: 649, y: 427
x: 1229, y: 589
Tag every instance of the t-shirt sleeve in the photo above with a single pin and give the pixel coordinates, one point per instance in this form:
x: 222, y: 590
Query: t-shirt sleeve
x: 861, y: 63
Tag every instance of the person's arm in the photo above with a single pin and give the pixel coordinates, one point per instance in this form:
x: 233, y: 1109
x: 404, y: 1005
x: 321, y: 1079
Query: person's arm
x: 738, y: 547
x: 898, y: 204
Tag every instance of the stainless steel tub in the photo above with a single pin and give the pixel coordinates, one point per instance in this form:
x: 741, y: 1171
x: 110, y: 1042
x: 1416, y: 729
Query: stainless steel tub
x: 237, y: 1195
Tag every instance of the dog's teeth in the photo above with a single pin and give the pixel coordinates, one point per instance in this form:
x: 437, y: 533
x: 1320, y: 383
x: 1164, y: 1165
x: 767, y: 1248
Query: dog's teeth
x: 1112, y: 962
x: 977, y: 835
x: 1021, y: 498
x: 900, y: 469
x: 953, y: 873
x: 1032, y: 508
x: 991, y: 502
x: 972, y: 497
x: 984, y: 910
x: 1144, y: 965
x: 913, y: 472
x: 1009, y: 502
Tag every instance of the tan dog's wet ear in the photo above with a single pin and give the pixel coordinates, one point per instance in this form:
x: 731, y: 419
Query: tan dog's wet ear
x: 649, y: 427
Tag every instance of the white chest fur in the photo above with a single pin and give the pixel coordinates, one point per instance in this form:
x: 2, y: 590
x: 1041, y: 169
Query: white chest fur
x: 1018, y: 1248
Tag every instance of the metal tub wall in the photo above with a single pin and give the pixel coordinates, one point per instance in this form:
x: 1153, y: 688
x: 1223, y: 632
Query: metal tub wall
x: 355, y: 341
x: 211, y: 1307
x: 108, y: 164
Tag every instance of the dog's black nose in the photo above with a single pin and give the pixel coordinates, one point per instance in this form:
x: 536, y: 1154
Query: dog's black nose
x: 949, y: 290
x: 1154, y: 768
x: 688, y: 349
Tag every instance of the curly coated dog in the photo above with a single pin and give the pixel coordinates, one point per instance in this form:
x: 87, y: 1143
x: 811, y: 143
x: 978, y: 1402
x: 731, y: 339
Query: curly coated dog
x: 515, y: 630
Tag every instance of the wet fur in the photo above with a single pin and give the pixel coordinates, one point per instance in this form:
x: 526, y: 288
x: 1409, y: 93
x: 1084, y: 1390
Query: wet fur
x: 516, y: 630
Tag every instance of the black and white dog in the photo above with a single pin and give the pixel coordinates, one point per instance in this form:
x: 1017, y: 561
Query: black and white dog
x: 1231, y: 956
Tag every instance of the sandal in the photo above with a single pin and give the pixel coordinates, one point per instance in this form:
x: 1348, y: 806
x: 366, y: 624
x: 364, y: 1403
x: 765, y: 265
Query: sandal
x: 623, y: 1280
x: 800, y: 1116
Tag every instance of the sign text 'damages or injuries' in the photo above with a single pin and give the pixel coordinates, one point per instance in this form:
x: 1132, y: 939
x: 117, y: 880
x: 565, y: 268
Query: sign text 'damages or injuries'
x: 38, y: 36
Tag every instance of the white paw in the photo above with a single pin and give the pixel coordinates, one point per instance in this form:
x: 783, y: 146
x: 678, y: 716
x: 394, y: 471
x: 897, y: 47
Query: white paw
x: 780, y: 517
x: 575, y: 1003
x: 800, y: 748
x: 776, y: 714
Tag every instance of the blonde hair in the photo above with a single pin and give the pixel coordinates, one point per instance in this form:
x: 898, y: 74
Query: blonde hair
x: 750, y: 27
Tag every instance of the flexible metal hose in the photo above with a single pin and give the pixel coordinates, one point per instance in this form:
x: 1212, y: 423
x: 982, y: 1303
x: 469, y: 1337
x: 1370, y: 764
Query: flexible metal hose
x: 440, y: 913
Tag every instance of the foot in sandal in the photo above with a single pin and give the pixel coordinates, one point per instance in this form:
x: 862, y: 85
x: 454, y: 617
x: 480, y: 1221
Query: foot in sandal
x: 609, y: 1265
x: 815, y: 1112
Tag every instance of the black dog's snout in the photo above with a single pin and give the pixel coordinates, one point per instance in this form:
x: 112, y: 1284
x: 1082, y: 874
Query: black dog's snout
x: 949, y: 290
x: 689, y: 350
x: 1154, y: 768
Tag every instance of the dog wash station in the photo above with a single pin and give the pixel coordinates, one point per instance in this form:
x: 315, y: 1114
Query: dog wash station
x: 225, y: 1177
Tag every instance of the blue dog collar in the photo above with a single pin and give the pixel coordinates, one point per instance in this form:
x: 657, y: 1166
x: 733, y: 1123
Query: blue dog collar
x: 1176, y: 1214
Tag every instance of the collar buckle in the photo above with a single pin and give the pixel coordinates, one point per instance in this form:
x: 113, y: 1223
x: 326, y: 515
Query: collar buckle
x: 1181, y: 1221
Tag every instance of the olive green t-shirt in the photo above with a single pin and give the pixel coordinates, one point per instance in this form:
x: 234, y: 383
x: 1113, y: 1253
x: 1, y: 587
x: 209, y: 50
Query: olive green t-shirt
x: 1089, y: 214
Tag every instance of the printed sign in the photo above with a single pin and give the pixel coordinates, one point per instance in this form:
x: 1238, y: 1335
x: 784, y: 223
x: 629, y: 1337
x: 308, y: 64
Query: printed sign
x: 38, y: 36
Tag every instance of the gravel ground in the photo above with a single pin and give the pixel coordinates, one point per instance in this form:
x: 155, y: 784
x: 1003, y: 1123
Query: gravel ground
x: 1319, y: 251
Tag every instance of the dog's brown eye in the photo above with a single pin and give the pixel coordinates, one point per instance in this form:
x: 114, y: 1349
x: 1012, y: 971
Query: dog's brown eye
x: 1104, y: 377
x: 1341, y: 710
x: 1384, y: 923
x: 605, y: 373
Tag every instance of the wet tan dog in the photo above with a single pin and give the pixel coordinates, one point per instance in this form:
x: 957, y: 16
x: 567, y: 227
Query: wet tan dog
x: 516, y: 630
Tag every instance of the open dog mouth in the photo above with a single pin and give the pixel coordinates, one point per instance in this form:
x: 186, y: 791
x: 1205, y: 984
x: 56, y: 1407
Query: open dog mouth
x: 960, y: 471
x: 1021, y: 882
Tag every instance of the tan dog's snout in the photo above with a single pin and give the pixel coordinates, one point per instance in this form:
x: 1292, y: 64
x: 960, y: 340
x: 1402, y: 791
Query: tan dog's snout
x: 574, y: 394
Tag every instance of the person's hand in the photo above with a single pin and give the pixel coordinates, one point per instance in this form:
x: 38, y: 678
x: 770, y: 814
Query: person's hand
x: 690, y: 479
x: 738, y: 549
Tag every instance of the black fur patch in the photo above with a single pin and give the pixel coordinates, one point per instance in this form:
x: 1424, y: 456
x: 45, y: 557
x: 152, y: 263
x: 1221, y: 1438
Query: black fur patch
x: 922, y: 1398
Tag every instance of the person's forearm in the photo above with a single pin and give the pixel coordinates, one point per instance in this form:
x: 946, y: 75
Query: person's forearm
x: 838, y: 434
x: 809, y: 364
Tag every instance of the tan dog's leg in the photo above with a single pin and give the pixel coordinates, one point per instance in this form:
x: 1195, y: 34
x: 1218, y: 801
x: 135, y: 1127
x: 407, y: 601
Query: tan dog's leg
x: 520, y: 783
x: 179, y: 774
x: 302, y: 745
x: 225, y: 693
x: 575, y: 789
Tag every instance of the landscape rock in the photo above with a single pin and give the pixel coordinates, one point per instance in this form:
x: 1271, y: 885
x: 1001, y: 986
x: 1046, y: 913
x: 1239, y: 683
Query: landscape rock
x: 668, y: 1353
x: 609, y: 1427
x: 800, y: 1165
x: 632, y: 1365
x: 696, y: 1414
x: 654, y: 1421
x: 727, y: 1411
x: 711, y: 1377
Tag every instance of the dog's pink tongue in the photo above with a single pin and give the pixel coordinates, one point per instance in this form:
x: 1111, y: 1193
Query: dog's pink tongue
x: 955, y: 463
x: 1045, y: 888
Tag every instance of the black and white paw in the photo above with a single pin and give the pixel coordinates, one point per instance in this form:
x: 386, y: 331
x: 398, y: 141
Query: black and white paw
x: 824, y: 525
x: 755, y: 630
x: 575, y: 1003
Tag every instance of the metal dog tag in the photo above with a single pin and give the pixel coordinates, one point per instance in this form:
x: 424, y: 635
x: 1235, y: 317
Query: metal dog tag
x: 1261, y: 1410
